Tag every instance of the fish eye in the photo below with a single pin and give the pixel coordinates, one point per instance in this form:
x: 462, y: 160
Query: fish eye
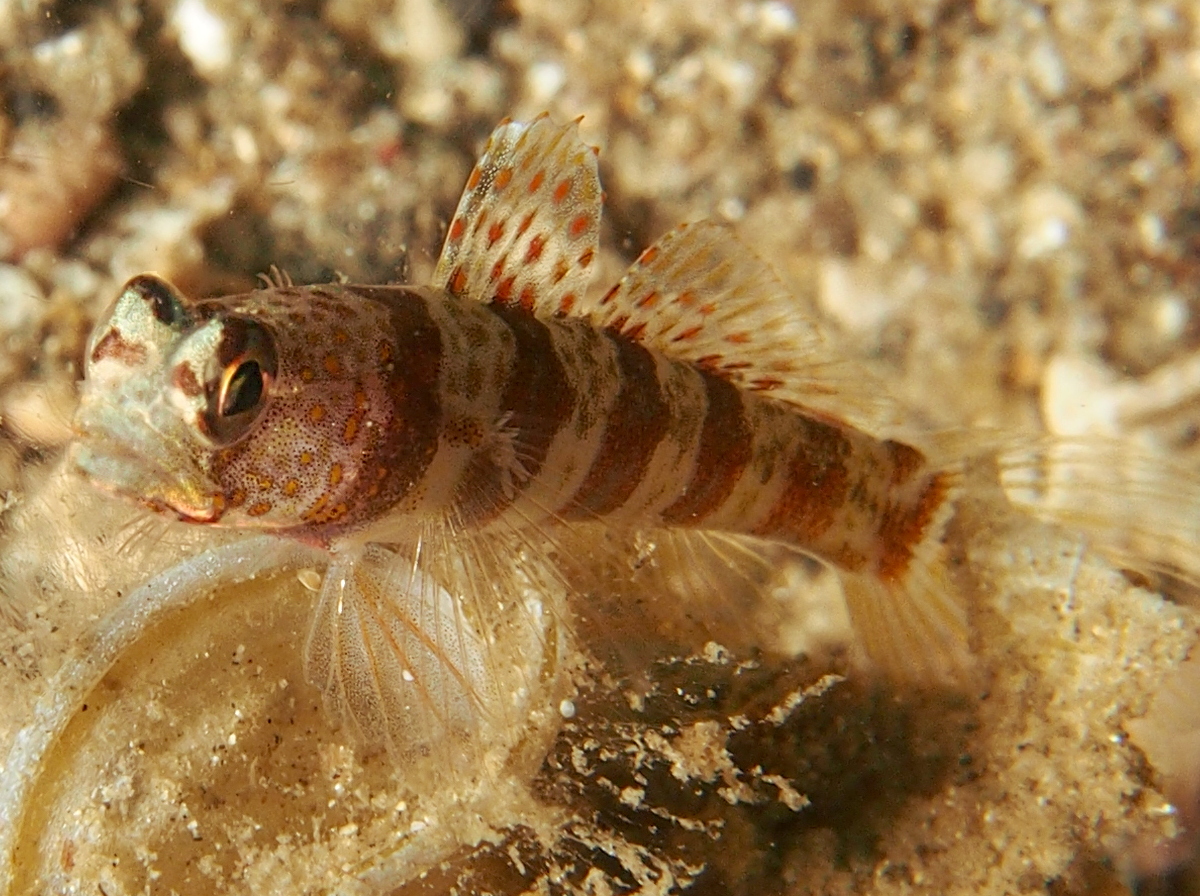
x: 241, y: 389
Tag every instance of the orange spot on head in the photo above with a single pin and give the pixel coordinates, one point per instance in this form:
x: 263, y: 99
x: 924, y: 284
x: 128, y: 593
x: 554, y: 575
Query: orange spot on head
x: 313, y: 513
x: 360, y: 400
x: 306, y: 374
x: 306, y: 458
x: 335, y: 475
x: 316, y: 414
x: 561, y: 191
x: 495, y: 232
x: 383, y: 351
x: 579, y: 225
x: 457, y: 227
x: 536, y: 245
x: 536, y: 183
x: 258, y: 509
x: 266, y: 483
x: 503, y: 177
x: 340, y: 336
x: 458, y: 281
x: 237, y: 498
x: 350, y: 430
x: 332, y: 364
x: 528, y: 297
x: 291, y: 487
x: 473, y: 180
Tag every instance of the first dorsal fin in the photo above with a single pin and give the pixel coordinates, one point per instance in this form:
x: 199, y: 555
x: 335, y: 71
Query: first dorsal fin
x: 527, y: 226
x: 702, y: 295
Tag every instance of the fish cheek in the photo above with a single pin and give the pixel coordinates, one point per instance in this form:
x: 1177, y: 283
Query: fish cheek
x: 252, y: 475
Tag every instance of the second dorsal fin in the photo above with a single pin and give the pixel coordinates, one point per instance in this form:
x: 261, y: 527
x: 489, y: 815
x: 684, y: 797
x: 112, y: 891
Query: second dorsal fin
x: 701, y: 295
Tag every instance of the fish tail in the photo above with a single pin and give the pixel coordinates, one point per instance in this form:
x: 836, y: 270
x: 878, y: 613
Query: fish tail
x: 1134, y: 506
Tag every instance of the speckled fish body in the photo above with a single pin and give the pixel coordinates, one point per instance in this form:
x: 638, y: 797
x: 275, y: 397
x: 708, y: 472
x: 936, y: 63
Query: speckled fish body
x: 390, y: 402
x: 503, y: 397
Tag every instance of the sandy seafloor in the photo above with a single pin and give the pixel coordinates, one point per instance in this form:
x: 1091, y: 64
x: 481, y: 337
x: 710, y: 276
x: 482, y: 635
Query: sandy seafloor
x: 996, y: 204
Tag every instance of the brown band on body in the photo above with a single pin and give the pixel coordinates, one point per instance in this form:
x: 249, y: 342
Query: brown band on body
x: 905, y: 460
x: 817, y: 486
x: 636, y: 424
x: 902, y: 527
x: 536, y: 403
x: 408, y: 444
x: 726, y: 446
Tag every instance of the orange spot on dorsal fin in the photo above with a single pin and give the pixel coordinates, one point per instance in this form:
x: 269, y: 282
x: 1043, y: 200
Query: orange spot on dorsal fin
x: 702, y: 296
x: 529, y: 172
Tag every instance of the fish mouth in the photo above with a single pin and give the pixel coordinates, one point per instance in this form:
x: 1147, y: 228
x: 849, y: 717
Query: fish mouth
x: 120, y: 469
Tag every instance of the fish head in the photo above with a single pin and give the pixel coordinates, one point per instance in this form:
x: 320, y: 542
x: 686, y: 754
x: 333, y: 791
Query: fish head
x: 168, y: 386
x: 263, y: 410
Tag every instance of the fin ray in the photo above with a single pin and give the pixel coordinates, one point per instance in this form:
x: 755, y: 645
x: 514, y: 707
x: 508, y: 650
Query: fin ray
x: 1136, y: 506
x: 527, y: 227
x: 701, y: 295
x: 404, y: 650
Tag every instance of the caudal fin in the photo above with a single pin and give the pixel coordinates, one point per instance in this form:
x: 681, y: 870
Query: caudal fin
x: 1134, y: 506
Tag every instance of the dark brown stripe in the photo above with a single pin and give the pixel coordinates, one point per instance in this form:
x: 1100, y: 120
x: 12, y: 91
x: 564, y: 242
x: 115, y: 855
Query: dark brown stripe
x: 905, y: 461
x: 537, y: 402
x: 636, y: 424
x: 902, y: 527
x: 725, y: 449
x: 408, y: 444
x: 817, y: 485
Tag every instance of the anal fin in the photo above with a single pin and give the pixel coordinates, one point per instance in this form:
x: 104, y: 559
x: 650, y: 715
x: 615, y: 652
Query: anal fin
x: 913, y: 630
